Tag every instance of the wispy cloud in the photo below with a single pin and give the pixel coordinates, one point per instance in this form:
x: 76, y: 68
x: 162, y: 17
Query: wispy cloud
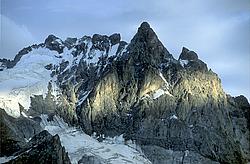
x: 13, y: 37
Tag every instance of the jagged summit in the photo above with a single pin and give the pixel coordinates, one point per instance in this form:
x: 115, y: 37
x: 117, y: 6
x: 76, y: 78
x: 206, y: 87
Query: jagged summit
x: 115, y: 38
x: 146, y: 34
x: 173, y: 109
x: 189, y: 60
x: 145, y: 28
x: 145, y: 25
x: 54, y: 43
x: 145, y: 47
x: 186, y: 54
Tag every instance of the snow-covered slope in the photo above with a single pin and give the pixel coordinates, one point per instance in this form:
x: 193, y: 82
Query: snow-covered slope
x: 77, y: 143
x: 28, y: 77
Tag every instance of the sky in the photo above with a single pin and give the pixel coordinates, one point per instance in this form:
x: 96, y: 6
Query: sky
x: 217, y: 30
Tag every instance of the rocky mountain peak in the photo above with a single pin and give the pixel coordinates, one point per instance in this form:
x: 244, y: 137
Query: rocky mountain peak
x: 145, y: 25
x: 189, y: 60
x: 109, y: 88
x: 69, y: 42
x: 145, y: 28
x: 54, y: 43
x: 186, y: 54
x: 115, y: 38
x: 242, y: 101
x: 145, y: 47
x: 146, y: 33
x: 50, y: 38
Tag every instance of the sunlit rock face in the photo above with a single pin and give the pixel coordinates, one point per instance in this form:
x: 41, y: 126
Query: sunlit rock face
x: 172, y: 108
x: 158, y: 100
x: 134, y: 75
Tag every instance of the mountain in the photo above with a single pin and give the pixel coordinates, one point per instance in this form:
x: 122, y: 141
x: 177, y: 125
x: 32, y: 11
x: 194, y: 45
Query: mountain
x: 109, y: 101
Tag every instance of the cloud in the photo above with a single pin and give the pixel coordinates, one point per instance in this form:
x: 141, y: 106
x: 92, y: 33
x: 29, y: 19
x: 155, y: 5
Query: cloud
x: 14, y: 37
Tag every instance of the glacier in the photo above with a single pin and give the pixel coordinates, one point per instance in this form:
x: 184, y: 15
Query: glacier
x: 77, y: 143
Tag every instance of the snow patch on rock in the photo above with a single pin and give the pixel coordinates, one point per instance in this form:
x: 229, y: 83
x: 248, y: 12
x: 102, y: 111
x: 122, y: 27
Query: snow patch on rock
x: 173, y: 117
x: 183, y: 63
x: 6, y: 159
x: 158, y: 93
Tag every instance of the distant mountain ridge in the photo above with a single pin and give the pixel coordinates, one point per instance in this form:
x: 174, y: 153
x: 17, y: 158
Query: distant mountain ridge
x: 175, y: 110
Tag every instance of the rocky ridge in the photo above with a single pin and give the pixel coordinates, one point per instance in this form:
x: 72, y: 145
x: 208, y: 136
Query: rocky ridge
x: 42, y: 148
x: 110, y: 87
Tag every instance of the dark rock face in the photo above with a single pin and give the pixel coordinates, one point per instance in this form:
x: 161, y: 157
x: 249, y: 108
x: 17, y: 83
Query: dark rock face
x: 242, y: 102
x: 69, y: 42
x: 15, y: 132
x: 54, y: 43
x: 244, y: 105
x: 83, y: 75
x: 100, y: 42
x: 144, y: 93
x: 160, y: 155
x: 90, y: 159
x: 193, y: 63
x: 192, y: 114
x: 115, y: 38
x: 42, y: 148
x: 240, y: 115
x: 121, y: 47
x: 126, y: 72
x: 188, y: 55
x: 48, y: 105
x: 146, y: 48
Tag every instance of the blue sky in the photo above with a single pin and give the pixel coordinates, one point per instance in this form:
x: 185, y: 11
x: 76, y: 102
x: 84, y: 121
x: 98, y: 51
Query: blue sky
x: 218, y: 30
